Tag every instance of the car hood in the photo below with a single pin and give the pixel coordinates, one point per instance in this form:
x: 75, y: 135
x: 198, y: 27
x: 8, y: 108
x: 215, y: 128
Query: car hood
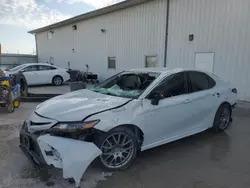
x: 7, y: 73
x: 76, y: 106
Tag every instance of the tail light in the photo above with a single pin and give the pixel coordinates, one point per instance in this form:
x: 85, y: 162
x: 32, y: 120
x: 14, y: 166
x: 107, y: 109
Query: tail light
x: 234, y: 90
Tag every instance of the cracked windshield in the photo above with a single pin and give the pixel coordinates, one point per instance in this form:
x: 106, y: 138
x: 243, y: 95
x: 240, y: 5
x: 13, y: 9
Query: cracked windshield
x: 126, y: 84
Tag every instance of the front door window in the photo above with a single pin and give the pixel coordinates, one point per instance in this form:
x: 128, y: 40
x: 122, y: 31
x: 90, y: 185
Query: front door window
x: 172, y: 86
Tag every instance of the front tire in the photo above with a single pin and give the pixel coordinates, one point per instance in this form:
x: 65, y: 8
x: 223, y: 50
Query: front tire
x: 222, y: 118
x: 119, y: 148
x: 57, y: 81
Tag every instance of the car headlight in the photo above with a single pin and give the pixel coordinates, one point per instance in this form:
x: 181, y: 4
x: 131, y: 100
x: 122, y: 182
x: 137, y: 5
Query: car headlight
x: 74, y: 126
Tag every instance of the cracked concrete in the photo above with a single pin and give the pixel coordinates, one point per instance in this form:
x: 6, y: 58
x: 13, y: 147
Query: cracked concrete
x: 206, y: 160
x: 17, y: 171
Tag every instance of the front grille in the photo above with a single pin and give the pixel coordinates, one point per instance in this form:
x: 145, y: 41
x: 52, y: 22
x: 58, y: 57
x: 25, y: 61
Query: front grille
x: 29, y: 143
x: 39, y: 124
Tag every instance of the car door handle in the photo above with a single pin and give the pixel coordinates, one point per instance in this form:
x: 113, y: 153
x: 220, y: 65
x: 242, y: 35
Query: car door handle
x: 187, y: 101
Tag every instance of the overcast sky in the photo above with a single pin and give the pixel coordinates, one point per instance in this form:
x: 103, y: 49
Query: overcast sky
x: 19, y: 16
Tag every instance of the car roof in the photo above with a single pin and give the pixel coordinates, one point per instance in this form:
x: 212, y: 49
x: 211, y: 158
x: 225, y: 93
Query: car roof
x: 165, y: 70
x: 155, y: 69
x: 28, y: 64
x: 159, y: 70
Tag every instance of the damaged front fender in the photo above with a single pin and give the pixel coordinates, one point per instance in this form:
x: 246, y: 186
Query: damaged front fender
x: 72, y: 156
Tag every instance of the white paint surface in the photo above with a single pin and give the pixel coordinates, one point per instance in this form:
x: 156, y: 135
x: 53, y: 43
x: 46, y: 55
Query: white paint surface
x: 204, y: 62
x: 185, y: 114
x: 75, y: 155
x: 219, y: 26
x: 131, y: 34
x: 36, y: 75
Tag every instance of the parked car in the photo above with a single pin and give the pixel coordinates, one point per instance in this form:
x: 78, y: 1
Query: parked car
x: 21, y: 80
x: 130, y: 112
x: 41, y: 73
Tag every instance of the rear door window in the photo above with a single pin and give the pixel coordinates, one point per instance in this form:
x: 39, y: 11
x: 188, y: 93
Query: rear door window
x: 45, y: 67
x: 200, y: 81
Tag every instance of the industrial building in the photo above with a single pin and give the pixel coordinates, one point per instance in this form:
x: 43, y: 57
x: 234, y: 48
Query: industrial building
x: 211, y: 35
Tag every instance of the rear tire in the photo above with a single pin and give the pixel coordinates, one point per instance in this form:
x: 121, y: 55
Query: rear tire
x: 119, y: 148
x: 57, y: 80
x: 222, y: 118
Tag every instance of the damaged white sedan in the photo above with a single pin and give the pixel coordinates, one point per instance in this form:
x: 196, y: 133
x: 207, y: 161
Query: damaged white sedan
x: 130, y: 112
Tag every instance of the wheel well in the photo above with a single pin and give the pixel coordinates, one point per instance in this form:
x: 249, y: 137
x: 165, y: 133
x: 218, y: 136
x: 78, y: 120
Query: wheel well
x: 23, y: 87
x: 22, y: 82
x: 57, y: 76
x: 227, y: 103
x: 136, y: 130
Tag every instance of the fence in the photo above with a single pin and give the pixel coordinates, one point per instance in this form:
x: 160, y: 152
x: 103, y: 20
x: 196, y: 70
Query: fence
x: 11, y: 60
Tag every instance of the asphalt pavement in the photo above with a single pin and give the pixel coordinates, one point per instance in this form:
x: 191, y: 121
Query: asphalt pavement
x: 206, y: 160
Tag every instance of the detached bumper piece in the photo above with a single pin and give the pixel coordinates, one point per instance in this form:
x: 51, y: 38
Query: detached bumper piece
x: 72, y: 156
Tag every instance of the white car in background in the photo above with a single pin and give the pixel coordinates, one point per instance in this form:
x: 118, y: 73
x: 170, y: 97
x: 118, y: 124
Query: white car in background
x: 130, y: 112
x: 41, y: 73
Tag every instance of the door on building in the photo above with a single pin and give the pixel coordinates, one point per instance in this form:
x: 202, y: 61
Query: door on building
x: 204, y: 62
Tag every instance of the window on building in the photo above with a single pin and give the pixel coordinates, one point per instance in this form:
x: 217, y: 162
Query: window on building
x: 173, y: 85
x: 200, y: 81
x: 151, y: 61
x: 111, y: 62
x: 50, y: 35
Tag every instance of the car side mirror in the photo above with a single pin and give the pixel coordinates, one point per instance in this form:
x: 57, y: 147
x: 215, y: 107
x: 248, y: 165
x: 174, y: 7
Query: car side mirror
x: 156, y: 97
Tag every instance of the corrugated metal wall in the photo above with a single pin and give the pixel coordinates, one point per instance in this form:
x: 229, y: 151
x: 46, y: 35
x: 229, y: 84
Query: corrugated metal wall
x: 130, y: 35
x: 220, y: 26
x: 14, y: 59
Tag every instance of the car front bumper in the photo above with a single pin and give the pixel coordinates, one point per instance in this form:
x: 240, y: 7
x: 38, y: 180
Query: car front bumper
x: 72, y: 156
x: 30, y: 147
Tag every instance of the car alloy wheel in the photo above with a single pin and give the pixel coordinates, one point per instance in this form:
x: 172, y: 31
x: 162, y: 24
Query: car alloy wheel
x: 224, y: 118
x: 57, y: 81
x: 118, y: 149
